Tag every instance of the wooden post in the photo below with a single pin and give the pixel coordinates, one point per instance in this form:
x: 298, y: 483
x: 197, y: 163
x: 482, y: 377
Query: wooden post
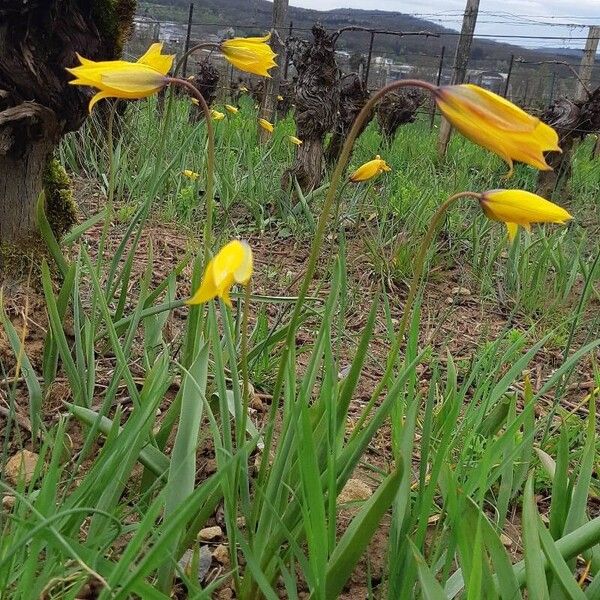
x: 287, y: 53
x: 552, y: 85
x: 587, y: 64
x: 438, y: 80
x: 187, y: 40
x: 269, y: 101
x: 508, y: 74
x: 461, y: 59
x: 369, y: 59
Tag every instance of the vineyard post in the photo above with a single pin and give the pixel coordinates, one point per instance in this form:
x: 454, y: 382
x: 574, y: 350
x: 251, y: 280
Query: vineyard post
x: 187, y: 40
x: 271, y: 89
x: 587, y: 64
x: 369, y: 59
x: 461, y: 59
x: 287, y: 51
x: 552, y: 85
x: 508, y: 74
x: 438, y: 80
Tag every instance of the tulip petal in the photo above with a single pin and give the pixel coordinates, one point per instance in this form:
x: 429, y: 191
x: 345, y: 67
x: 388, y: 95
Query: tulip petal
x: 207, y: 290
x: 512, y: 230
x: 156, y: 60
x: 97, y: 97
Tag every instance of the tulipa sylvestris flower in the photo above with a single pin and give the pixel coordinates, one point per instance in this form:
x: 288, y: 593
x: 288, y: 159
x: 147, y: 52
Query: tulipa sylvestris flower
x: 253, y: 54
x: 279, y: 98
x: 370, y: 169
x: 497, y: 124
x: 518, y: 207
x: 243, y: 88
x: 232, y: 264
x: 124, y: 79
x: 191, y: 174
x: 294, y: 140
x: 231, y: 109
x: 216, y: 115
x: 266, y: 125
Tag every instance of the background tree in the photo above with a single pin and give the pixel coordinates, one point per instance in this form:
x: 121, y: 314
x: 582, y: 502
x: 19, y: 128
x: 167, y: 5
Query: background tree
x: 40, y: 39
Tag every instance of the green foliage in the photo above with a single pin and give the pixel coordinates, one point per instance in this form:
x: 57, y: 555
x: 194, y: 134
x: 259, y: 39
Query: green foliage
x: 61, y: 209
x: 466, y: 445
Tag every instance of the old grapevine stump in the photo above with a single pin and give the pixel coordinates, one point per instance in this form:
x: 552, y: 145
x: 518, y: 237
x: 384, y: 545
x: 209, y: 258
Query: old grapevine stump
x: 317, y: 94
x: 353, y: 96
x: 39, y: 39
x: 206, y: 81
x: 399, y: 108
x: 572, y: 121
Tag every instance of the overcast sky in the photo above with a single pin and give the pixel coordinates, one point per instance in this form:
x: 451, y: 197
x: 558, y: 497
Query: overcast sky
x: 496, y: 17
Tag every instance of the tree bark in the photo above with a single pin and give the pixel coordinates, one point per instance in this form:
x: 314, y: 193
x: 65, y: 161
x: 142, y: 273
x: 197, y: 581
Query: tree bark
x: 353, y: 96
x: 399, y: 108
x: 38, y: 41
x: 317, y: 96
x: 572, y: 120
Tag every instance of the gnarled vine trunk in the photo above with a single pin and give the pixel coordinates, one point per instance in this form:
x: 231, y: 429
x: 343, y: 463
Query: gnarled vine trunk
x: 353, y: 96
x: 317, y: 94
x: 399, y: 108
x: 38, y: 40
x: 572, y: 121
x: 29, y: 141
x: 206, y: 81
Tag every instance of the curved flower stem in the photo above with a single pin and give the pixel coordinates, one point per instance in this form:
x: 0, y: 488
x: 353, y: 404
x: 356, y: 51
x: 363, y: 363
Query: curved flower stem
x: 210, y: 159
x: 311, y: 265
x: 413, y: 290
x: 193, y: 49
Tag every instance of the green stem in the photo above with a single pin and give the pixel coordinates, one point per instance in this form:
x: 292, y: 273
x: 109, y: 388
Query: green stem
x: 311, y: 265
x: 210, y: 160
x: 413, y: 290
x: 244, y: 365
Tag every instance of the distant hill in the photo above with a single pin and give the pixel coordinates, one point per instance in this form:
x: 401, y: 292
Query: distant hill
x: 250, y: 15
x: 536, y: 78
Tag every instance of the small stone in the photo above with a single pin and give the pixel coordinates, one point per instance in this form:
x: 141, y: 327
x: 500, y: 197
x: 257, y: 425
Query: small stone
x: 221, y: 555
x: 208, y: 534
x: 241, y: 522
x: 204, y: 562
x: 8, y: 502
x: 506, y: 541
x: 449, y: 300
x: 225, y: 594
x: 21, y: 466
x: 461, y: 291
x: 354, y: 490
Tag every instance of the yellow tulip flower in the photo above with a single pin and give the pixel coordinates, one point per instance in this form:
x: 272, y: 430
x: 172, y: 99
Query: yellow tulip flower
x: 216, y: 115
x: 243, y: 88
x: 124, y: 79
x: 280, y: 98
x: 195, y: 101
x: 266, y: 125
x: 518, y: 207
x: 232, y: 109
x: 294, y: 140
x: 191, y: 174
x: 370, y: 169
x: 497, y: 124
x: 232, y: 264
x: 252, y: 54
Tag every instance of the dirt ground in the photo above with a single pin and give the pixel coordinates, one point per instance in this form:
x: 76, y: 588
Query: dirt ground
x: 453, y: 319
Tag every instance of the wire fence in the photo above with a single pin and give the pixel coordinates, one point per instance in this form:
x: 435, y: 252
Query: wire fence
x: 523, y: 75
